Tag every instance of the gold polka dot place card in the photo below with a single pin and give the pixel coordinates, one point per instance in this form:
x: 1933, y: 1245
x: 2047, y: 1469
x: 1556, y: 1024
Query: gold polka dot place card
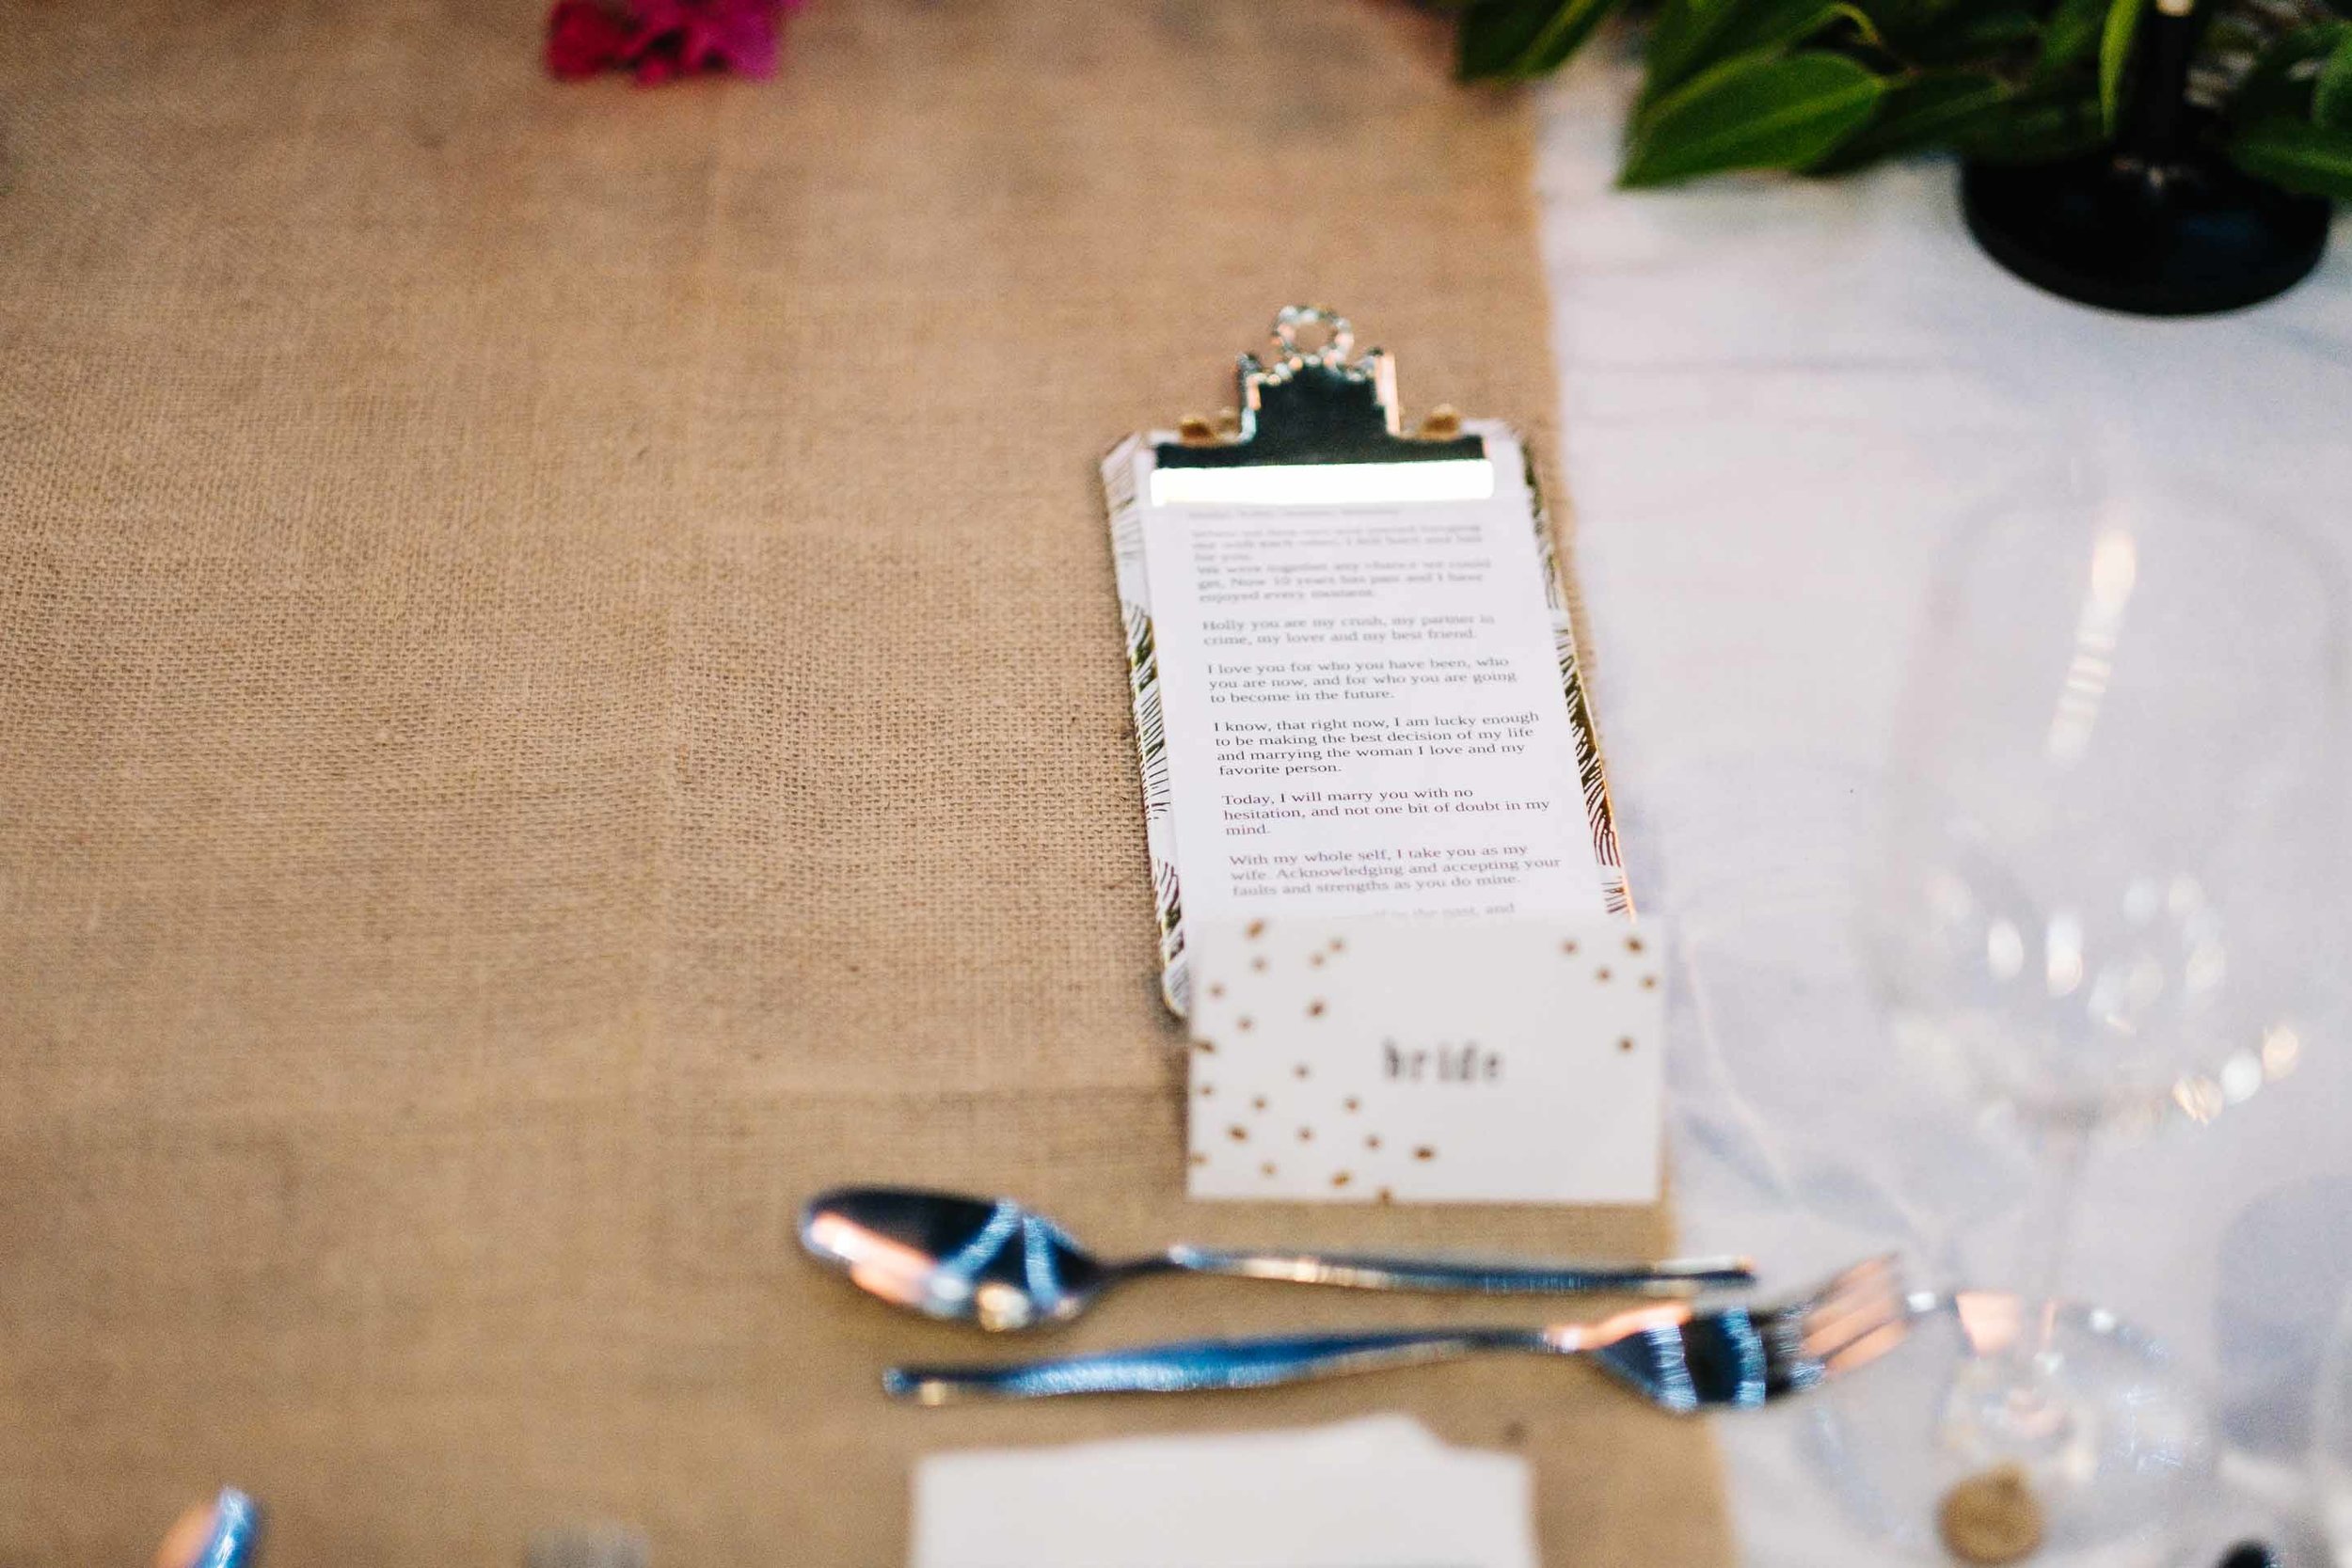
x: 1374, y: 1059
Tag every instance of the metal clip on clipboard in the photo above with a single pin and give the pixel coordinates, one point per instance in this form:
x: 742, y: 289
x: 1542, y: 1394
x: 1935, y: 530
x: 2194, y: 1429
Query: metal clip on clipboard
x: 1317, y: 429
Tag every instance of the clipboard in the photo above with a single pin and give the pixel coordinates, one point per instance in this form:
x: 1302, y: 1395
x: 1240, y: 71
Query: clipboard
x: 1317, y: 426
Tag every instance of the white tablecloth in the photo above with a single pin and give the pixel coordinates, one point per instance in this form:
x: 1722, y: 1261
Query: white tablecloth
x: 1780, y: 398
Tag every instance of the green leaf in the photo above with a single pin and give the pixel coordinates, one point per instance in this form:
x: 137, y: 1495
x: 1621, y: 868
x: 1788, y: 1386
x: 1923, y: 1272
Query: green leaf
x: 2298, y: 155
x: 1865, y: 29
x: 1488, y: 39
x: 2115, y: 52
x: 1895, y: 17
x: 2029, y: 130
x: 1931, y: 109
x: 2279, y: 85
x: 1965, y: 34
x: 1759, y: 111
x: 1692, y: 35
x: 2070, y: 34
x: 2331, y: 95
x: 1524, y: 38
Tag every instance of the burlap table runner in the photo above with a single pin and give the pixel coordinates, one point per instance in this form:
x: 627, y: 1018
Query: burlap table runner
x: 559, y: 689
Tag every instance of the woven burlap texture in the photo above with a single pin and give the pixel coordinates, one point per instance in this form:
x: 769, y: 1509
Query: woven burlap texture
x: 560, y: 689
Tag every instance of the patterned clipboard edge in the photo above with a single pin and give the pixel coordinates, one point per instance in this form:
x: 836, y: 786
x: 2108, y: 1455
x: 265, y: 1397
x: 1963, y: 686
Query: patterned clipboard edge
x: 1127, y: 511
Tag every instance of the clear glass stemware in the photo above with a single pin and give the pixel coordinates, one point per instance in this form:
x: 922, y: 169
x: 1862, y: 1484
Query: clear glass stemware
x: 2110, y: 883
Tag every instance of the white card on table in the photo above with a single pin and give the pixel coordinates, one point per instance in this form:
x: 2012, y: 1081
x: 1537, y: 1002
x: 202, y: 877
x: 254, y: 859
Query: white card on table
x: 1375, y: 1058
x: 1376, y: 1492
x: 1355, y: 681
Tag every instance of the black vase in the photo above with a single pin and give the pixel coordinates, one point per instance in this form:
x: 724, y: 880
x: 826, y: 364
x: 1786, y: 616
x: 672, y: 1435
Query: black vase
x: 2160, y: 224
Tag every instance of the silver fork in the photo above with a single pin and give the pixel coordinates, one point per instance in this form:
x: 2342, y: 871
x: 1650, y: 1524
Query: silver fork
x: 1677, y: 1359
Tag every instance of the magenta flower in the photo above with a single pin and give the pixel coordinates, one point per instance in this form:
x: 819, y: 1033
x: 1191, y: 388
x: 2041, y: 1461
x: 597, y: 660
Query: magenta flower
x: 659, y: 39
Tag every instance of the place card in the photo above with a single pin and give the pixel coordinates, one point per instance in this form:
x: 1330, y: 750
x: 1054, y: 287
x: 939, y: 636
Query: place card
x: 1368, y: 1058
x: 1377, y: 1493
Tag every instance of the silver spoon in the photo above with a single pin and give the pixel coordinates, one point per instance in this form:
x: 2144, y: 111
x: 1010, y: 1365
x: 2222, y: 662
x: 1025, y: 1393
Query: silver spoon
x: 993, y: 1262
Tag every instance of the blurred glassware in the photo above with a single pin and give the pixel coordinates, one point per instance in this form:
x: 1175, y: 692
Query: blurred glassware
x: 2110, y: 878
x: 2331, y: 1443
